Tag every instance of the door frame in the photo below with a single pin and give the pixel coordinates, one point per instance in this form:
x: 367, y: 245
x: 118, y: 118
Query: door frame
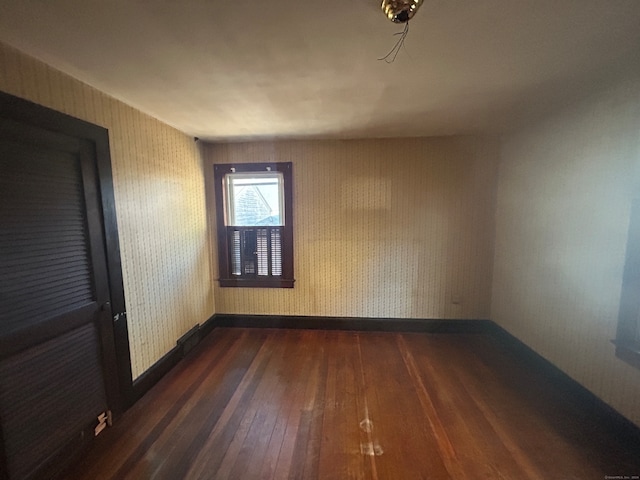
x: 114, y: 337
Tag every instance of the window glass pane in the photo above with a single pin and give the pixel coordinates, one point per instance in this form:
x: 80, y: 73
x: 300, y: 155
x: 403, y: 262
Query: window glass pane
x: 254, y: 199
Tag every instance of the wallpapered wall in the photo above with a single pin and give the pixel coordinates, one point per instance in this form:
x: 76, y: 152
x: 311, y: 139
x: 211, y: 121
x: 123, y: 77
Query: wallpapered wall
x: 159, y: 200
x: 563, y: 207
x: 382, y: 228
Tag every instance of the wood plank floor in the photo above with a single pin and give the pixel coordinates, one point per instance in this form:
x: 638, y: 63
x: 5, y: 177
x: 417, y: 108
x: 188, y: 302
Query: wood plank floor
x: 303, y: 404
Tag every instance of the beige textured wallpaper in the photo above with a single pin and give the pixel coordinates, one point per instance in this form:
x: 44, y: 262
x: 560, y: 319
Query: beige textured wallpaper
x: 160, y: 204
x: 563, y: 206
x: 399, y: 228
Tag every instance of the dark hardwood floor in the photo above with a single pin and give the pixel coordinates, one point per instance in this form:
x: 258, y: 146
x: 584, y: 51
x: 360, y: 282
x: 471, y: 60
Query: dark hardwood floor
x: 306, y: 404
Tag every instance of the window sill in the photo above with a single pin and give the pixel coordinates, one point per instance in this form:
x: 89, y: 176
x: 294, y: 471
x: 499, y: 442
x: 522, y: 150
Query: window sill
x: 257, y: 283
x: 627, y: 352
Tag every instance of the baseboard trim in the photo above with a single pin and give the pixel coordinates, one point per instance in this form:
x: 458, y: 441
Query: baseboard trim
x: 184, y: 345
x: 207, y: 327
x: 353, y: 323
x: 153, y: 374
x: 596, y: 407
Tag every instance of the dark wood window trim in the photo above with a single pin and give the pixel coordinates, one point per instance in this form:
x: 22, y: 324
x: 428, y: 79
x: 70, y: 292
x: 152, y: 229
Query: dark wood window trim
x: 286, y: 280
x: 628, y: 333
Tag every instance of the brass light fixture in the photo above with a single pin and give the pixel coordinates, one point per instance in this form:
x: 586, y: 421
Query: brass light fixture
x: 400, y: 11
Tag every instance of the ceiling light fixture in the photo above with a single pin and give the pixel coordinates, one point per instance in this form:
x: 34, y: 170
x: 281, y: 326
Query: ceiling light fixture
x: 399, y: 11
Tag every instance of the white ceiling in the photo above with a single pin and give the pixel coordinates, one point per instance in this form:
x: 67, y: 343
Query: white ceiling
x: 283, y: 68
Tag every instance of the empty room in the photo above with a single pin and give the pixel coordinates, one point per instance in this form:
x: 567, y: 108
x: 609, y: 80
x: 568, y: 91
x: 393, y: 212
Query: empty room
x: 393, y: 239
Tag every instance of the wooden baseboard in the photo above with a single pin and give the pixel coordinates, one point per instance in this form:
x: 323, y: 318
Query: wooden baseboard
x: 150, y: 377
x: 208, y: 326
x: 596, y: 408
x: 186, y: 343
x: 353, y: 323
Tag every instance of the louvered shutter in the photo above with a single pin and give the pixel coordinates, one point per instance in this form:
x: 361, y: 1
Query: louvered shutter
x: 255, y: 251
x: 276, y: 251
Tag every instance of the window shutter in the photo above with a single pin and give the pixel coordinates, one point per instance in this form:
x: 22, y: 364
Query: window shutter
x: 262, y: 252
x: 235, y: 252
x: 276, y: 252
x: 255, y: 251
x: 249, y: 249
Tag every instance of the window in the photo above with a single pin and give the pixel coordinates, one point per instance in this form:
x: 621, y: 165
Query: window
x: 254, y: 224
x: 628, y: 334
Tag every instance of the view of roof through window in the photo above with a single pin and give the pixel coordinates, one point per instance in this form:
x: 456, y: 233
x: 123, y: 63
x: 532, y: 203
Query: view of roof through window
x: 255, y: 199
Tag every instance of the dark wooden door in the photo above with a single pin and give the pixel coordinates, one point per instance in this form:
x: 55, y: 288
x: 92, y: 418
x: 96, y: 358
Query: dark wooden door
x: 57, y: 356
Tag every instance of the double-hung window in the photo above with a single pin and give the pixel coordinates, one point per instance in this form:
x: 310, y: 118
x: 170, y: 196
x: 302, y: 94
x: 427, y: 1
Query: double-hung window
x: 254, y: 224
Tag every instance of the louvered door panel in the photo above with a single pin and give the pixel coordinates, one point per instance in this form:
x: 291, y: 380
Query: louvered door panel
x: 36, y: 415
x: 53, y: 293
x: 43, y: 237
